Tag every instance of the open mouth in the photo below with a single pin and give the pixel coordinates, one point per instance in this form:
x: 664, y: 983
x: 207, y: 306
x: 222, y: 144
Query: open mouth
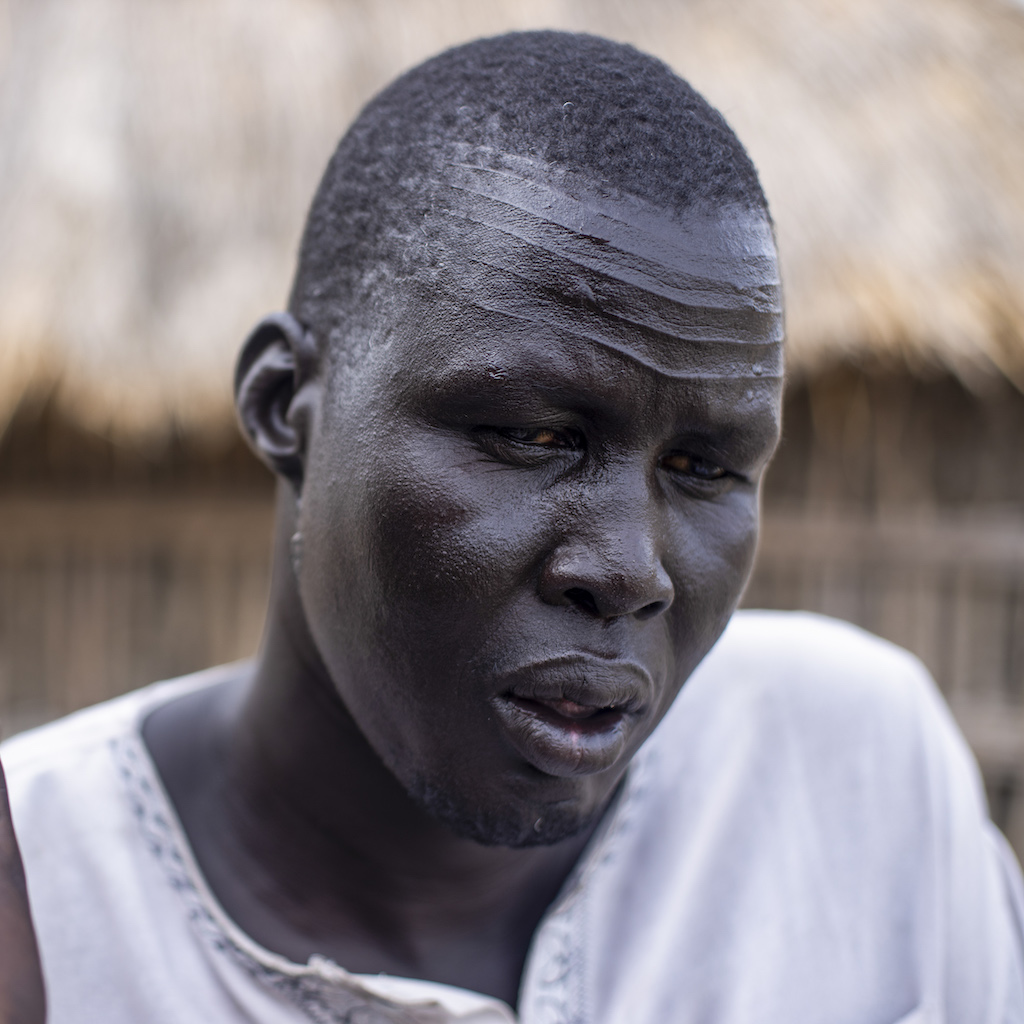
x: 573, y: 716
x: 561, y: 711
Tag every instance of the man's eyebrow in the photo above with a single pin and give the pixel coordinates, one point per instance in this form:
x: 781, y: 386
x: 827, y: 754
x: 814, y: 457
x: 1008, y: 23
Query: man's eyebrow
x: 482, y: 385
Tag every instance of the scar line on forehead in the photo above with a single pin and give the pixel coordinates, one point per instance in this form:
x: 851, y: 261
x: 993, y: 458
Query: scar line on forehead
x: 618, y: 269
x: 745, y: 372
x: 631, y: 307
x: 649, y: 232
x: 677, y: 335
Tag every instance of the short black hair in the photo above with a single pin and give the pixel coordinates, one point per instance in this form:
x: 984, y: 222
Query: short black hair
x: 601, y: 111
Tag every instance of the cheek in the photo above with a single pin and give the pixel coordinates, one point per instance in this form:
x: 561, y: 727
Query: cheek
x: 715, y: 547
x: 730, y: 538
x: 450, y: 534
x: 411, y: 567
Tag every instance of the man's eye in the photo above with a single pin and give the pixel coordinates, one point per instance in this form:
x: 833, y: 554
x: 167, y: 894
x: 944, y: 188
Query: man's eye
x: 692, y: 465
x: 541, y: 437
x: 528, y: 446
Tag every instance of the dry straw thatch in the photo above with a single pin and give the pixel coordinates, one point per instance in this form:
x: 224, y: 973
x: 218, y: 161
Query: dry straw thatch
x: 156, y: 159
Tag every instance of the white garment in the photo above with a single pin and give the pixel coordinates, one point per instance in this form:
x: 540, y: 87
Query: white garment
x: 802, y: 841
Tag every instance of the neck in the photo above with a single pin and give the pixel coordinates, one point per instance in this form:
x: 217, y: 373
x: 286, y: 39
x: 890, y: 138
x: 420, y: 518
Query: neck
x: 299, y: 761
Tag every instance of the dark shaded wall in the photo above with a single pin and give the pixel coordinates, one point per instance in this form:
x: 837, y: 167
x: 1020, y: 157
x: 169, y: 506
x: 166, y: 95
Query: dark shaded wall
x: 878, y: 442
x: 120, y: 565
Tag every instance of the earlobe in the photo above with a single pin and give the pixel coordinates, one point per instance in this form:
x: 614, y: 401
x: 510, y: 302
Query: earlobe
x: 277, y: 362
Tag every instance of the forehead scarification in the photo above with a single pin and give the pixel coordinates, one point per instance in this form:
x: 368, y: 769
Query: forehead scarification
x: 692, y: 298
x: 648, y: 244
x: 575, y: 113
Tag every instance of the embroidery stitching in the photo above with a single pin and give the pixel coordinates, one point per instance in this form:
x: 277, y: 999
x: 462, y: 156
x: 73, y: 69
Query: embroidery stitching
x: 322, y: 1000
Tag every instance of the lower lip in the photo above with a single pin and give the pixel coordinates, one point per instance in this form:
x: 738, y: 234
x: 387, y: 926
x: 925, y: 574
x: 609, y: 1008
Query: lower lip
x: 559, y: 745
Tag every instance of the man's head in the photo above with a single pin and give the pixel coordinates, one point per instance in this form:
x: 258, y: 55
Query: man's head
x: 577, y: 111
x: 525, y: 396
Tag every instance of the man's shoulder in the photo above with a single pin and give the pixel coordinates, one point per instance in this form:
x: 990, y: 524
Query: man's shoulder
x: 813, y: 661
x: 815, y: 727
x: 815, y: 688
x: 60, y: 747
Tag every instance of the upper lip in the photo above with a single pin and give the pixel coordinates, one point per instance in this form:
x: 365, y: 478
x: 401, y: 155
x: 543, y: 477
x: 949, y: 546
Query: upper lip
x: 587, y: 681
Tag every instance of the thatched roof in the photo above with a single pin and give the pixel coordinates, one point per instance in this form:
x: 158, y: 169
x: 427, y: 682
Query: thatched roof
x: 156, y: 159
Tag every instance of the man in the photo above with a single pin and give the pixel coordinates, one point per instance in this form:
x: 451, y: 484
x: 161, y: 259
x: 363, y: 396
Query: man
x: 520, y: 409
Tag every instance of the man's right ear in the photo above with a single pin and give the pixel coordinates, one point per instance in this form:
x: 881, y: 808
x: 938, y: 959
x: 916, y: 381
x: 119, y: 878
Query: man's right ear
x: 277, y: 362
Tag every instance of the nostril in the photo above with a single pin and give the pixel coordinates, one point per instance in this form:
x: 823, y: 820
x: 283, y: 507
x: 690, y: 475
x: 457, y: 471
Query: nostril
x: 650, y: 610
x: 582, y: 599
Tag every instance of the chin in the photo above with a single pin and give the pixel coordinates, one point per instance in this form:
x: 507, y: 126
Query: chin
x: 509, y: 825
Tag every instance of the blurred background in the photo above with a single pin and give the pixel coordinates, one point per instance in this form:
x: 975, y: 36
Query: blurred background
x: 156, y: 160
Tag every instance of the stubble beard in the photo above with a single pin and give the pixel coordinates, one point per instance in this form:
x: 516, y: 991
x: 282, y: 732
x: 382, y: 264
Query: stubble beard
x: 498, y: 826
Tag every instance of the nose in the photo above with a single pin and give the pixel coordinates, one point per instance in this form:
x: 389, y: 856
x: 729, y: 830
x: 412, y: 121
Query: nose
x: 616, y: 573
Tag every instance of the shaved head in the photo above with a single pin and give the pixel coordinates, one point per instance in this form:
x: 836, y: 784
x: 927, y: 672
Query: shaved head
x: 575, y: 113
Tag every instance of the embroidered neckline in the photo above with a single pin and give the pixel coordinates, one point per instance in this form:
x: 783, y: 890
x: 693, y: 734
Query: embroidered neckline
x: 327, y: 993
